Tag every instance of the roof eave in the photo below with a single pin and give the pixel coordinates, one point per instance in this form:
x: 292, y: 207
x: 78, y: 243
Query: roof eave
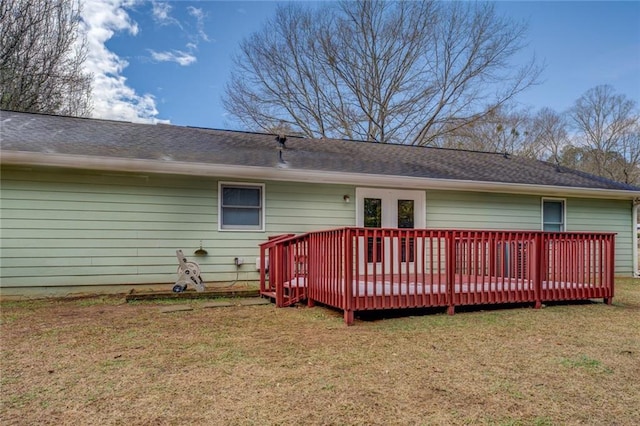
x: 23, y: 158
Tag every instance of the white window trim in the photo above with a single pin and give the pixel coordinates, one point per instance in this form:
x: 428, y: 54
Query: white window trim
x: 262, y: 203
x: 564, y: 212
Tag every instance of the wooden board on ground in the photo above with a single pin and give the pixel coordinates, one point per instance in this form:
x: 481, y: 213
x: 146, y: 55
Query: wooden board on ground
x: 175, y: 308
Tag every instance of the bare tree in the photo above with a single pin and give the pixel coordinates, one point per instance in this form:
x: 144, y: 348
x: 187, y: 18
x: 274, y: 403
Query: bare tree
x: 608, y: 130
x: 542, y: 135
x: 549, y: 135
x: 499, y: 130
x: 41, y: 55
x: 405, y: 72
x: 471, y: 54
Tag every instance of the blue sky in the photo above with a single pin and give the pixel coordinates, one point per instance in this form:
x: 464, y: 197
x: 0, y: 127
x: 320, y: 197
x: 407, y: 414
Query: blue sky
x: 157, y: 61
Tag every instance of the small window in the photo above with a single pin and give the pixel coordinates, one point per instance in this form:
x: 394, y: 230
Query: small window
x: 553, y: 215
x: 241, y: 207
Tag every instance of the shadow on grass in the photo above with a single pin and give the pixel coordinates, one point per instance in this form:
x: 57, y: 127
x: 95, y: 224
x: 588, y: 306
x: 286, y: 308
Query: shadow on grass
x: 384, y: 314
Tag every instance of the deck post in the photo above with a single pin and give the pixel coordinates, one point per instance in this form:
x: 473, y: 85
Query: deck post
x: 611, y: 260
x: 347, y: 274
x: 311, y: 253
x: 277, y: 274
x: 263, y: 275
x: 540, y: 268
x: 450, y: 262
x: 348, y: 317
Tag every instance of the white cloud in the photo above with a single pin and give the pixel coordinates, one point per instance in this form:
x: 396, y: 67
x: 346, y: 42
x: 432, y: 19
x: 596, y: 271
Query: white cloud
x: 162, y: 13
x: 177, y: 56
x: 112, y: 98
x: 160, y: 10
x: 199, y: 15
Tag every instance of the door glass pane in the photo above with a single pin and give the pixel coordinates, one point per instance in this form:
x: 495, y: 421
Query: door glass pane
x: 372, y: 212
x: 406, y: 221
x: 374, y: 252
x: 405, y: 214
x: 407, y: 250
x: 373, y: 219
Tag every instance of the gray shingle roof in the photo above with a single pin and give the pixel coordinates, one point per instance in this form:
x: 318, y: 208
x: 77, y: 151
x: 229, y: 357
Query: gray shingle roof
x: 50, y: 134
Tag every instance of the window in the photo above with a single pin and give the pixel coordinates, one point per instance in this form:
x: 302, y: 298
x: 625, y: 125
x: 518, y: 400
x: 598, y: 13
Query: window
x: 553, y: 214
x: 241, y: 207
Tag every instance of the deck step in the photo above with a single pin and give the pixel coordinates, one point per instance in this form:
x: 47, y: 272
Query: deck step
x: 287, y: 300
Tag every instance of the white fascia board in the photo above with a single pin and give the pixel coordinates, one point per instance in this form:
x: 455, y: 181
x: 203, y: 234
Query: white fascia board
x: 296, y: 175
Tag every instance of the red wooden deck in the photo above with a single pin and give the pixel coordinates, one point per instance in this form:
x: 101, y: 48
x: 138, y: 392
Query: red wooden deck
x: 419, y: 268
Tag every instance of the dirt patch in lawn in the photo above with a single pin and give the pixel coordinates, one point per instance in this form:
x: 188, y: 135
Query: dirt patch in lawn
x: 105, y: 361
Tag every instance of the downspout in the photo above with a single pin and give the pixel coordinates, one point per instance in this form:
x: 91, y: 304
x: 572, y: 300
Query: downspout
x: 636, y: 204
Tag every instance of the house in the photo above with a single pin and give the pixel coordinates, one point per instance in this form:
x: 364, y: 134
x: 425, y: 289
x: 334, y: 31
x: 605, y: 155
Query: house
x: 98, y: 206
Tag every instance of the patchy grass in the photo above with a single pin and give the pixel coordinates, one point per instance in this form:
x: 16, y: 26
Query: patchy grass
x: 104, y: 361
x: 583, y: 361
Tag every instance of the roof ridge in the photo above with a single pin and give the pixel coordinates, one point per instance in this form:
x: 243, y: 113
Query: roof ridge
x: 246, y: 132
x: 250, y: 132
x: 402, y: 145
x: 564, y: 169
x: 49, y: 114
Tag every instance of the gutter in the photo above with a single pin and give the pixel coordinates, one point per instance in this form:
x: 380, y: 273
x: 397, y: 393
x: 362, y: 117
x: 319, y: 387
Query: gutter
x: 132, y: 165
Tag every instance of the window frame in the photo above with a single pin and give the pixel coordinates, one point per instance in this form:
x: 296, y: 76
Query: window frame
x: 241, y: 228
x: 563, y: 201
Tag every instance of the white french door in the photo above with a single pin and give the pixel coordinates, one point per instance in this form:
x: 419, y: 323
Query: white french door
x: 388, y: 208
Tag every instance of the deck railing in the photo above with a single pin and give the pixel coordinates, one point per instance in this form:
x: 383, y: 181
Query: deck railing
x: 356, y: 269
x: 283, y: 258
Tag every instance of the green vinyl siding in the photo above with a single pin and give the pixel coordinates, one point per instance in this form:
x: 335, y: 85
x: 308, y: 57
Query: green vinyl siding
x: 297, y: 207
x: 470, y: 210
x: 67, y: 230
x: 479, y: 210
x: 605, y: 216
